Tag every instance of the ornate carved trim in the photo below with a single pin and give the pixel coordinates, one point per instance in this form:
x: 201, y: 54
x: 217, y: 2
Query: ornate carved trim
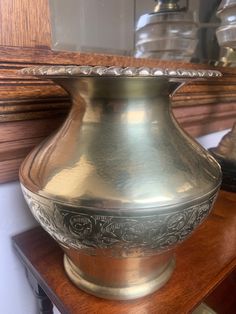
x: 118, y: 235
x: 117, y: 71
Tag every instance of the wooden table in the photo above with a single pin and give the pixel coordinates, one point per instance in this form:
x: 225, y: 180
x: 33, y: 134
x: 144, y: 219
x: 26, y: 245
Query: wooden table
x: 204, y: 261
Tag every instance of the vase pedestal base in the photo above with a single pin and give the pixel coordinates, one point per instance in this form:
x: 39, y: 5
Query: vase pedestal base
x: 118, y: 293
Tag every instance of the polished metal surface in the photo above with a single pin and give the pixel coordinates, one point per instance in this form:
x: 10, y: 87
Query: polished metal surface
x: 166, y: 5
x: 227, y: 57
x: 133, y: 290
x: 120, y: 184
x: 87, y: 71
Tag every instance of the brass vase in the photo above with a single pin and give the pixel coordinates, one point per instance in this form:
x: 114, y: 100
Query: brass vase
x: 120, y: 184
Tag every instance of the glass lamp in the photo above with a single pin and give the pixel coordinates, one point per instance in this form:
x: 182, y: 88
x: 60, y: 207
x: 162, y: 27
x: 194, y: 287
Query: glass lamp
x: 169, y: 32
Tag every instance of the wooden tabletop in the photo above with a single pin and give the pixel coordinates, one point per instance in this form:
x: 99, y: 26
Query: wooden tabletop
x: 202, y: 262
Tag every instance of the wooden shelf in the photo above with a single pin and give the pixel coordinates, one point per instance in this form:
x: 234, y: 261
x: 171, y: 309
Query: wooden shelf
x: 204, y: 261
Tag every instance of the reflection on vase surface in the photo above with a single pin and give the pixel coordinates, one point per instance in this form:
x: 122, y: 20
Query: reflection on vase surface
x: 120, y: 181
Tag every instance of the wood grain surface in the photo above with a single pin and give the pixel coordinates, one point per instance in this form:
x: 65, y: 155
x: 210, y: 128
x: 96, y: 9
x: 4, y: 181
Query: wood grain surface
x: 18, y: 138
x: 203, y: 262
x: 25, y: 23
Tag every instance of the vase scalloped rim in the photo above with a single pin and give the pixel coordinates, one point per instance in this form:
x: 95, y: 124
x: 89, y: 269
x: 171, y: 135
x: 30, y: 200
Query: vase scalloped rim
x: 115, y: 71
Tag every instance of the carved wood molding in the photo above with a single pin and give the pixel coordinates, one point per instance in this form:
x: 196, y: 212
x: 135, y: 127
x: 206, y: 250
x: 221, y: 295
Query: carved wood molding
x: 31, y: 109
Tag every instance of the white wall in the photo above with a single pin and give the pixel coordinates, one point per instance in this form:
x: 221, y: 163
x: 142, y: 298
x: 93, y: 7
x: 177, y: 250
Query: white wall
x: 212, y: 139
x: 16, y: 296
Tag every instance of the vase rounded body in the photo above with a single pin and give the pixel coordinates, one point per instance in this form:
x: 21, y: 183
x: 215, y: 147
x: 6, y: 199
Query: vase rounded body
x: 120, y: 184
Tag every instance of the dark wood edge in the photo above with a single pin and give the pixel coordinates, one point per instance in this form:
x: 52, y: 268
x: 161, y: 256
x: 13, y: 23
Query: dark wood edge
x: 218, y: 280
x: 31, y: 268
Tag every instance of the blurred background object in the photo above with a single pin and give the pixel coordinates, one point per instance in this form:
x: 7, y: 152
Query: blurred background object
x: 208, y: 50
x: 200, y: 20
x: 167, y: 33
x: 183, y: 30
x: 227, y: 57
x: 226, y: 32
x: 225, y: 154
x: 103, y: 26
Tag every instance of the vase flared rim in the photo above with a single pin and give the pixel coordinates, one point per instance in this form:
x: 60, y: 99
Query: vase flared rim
x: 115, y: 71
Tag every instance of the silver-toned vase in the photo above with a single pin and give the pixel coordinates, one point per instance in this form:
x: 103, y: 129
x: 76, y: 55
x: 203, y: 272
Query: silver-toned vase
x: 120, y: 184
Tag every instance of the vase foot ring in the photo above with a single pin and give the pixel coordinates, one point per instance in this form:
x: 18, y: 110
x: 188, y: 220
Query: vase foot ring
x: 116, y: 293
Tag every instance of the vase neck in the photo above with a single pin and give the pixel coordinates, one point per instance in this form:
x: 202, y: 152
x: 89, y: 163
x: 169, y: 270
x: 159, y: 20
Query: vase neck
x: 119, y: 100
x: 119, y: 87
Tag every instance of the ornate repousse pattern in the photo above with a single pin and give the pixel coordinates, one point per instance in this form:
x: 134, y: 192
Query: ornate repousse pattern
x: 54, y: 71
x: 84, y: 229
